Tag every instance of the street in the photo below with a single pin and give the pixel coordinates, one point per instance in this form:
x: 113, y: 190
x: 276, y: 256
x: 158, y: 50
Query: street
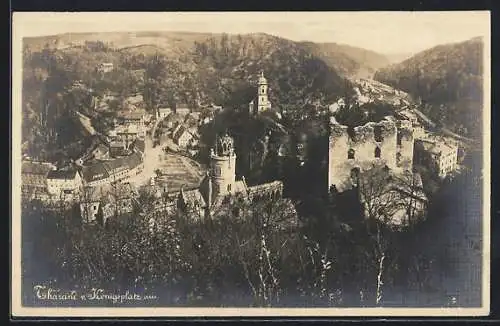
x: 177, y: 170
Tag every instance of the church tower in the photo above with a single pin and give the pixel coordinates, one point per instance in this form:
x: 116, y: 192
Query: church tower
x: 262, y: 100
x: 222, y: 167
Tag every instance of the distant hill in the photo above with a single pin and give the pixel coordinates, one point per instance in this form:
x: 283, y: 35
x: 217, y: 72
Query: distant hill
x: 395, y: 58
x: 224, y: 59
x: 193, y: 68
x: 448, y: 79
x: 119, y: 40
x: 348, y: 60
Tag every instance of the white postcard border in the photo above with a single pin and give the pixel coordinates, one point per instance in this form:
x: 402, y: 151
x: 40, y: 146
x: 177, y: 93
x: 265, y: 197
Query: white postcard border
x: 18, y: 310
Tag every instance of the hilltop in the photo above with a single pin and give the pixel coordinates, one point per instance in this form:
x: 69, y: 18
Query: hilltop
x: 168, y: 68
x: 118, y: 40
x: 344, y: 59
x: 448, y: 79
x: 348, y: 60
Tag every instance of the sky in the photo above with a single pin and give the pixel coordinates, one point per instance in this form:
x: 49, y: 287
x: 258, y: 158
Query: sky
x: 383, y: 32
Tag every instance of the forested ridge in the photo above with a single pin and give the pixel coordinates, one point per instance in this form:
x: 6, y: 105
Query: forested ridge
x: 449, y: 81
x: 220, y: 69
x: 348, y: 60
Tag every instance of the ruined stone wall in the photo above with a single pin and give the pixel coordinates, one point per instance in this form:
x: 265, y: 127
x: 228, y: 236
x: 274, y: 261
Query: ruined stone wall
x: 405, y: 147
x: 338, y: 164
x: 371, y: 144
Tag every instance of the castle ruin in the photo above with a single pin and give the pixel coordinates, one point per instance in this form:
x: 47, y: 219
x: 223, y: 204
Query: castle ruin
x: 351, y: 151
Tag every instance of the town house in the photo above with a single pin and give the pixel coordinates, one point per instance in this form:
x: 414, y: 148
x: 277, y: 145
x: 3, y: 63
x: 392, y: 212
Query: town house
x: 439, y: 156
x: 67, y: 182
x: 34, y: 178
x: 163, y: 112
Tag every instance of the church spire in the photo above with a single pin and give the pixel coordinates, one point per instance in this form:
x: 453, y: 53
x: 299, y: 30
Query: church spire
x: 262, y: 79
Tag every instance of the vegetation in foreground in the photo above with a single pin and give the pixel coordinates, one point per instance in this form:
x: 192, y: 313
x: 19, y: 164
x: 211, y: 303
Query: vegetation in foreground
x: 269, y: 254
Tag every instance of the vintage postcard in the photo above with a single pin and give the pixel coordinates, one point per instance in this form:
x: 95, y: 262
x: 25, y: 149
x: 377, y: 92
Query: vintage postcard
x: 251, y: 164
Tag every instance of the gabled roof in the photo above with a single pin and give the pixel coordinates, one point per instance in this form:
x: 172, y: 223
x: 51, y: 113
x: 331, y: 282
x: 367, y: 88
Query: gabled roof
x: 193, y: 198
x: 436, y: 147
x: 95, y: 172
x: 182, y: 106
x: 133, y: 160
x: 115, y: 165
x: 130, y: 115
x: 135, y: 99
x: 43, y: 168
x: 62, y: 174
x: 116, y: 144
x: 173, y: 118
x: 180, y: 132
x: 37, y: 180
x: 91, y: 195
x: 102, y: 148
x: 193, y: 115
x: 140, y: 145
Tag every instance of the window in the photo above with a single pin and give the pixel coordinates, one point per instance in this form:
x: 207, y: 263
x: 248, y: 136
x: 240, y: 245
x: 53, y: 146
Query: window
x: 377, y: 152
x: 94, y: 207
x: 229, y: 187
x: 355, y: 176
x: 399, y: 139
x: 350, y: 154
x: 377, y: 133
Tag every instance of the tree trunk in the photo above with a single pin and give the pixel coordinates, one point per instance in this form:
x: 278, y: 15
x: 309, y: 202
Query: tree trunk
x: 380, y: 282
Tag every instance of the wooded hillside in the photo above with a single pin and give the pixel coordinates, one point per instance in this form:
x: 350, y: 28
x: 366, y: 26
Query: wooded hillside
x: 448, y: 79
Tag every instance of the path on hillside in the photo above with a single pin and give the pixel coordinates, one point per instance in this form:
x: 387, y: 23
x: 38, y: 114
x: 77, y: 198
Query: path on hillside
x: 431, y: 123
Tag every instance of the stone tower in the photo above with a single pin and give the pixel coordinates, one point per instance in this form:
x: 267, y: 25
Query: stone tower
x: 222, y: 166
x: 263, y: 101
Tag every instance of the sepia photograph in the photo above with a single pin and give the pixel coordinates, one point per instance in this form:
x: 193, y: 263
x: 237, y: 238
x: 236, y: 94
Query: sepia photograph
x: 250, y: 164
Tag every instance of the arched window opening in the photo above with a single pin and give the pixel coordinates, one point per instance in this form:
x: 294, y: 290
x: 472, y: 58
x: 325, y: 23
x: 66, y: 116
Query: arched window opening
x: 355, y: 176
x: 377, y: 152
x: 350, y: 154
x: 399, y: 139
x: 398, y: 158
x: 377, y: 133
